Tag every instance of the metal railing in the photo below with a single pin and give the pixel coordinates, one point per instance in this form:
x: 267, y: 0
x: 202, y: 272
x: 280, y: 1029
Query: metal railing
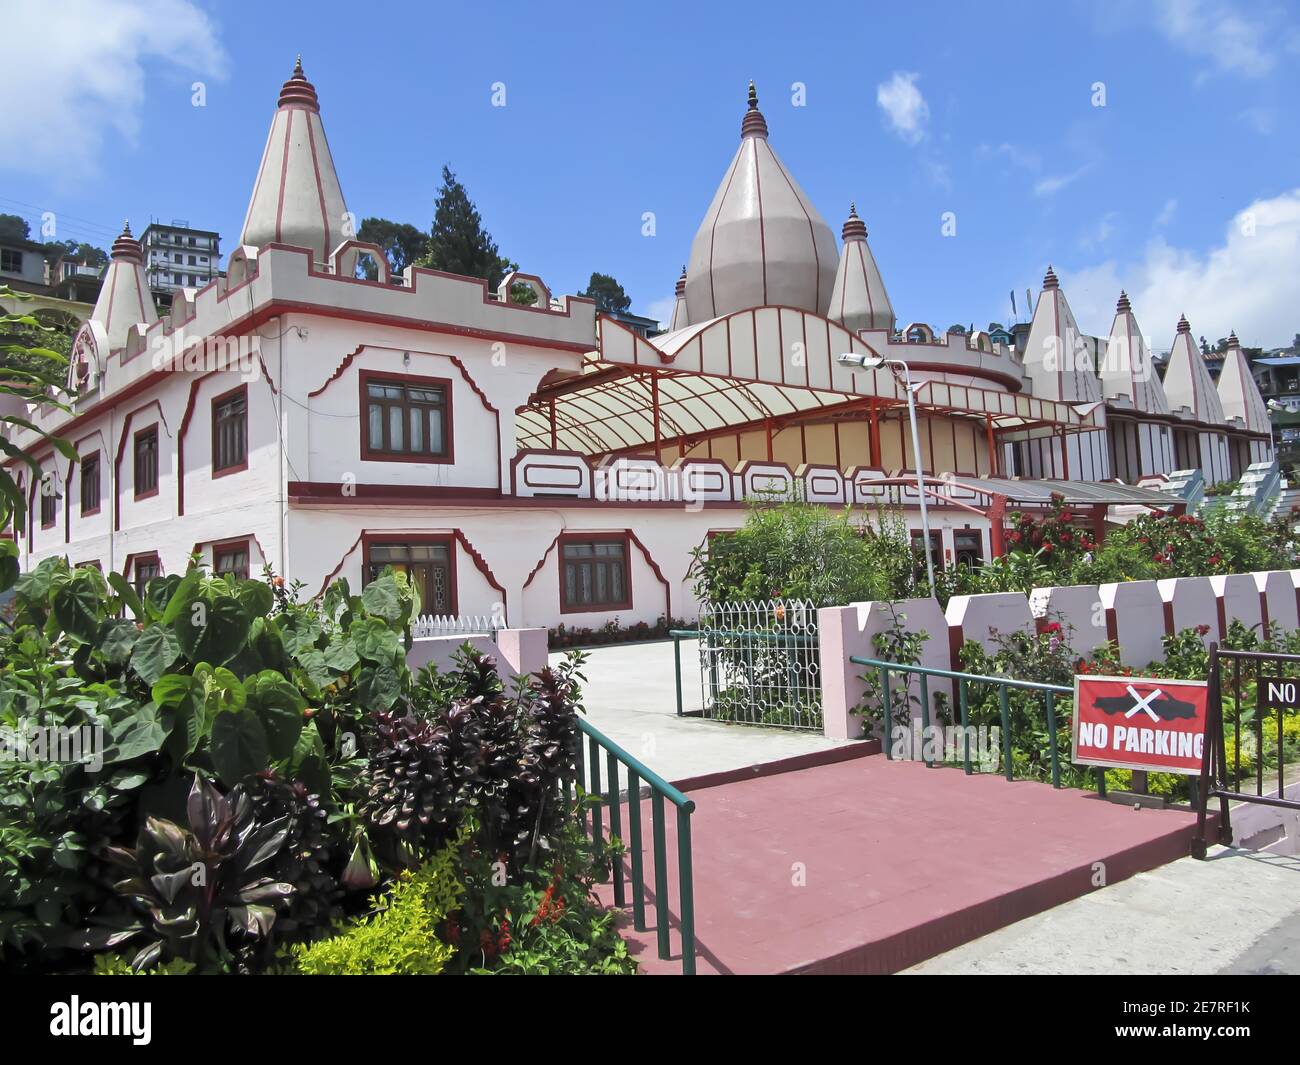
x: 1050, y: 693
x: 759, y: 662
x: 1225, y: 781
x: 589, y: 778
x: 427, y: 625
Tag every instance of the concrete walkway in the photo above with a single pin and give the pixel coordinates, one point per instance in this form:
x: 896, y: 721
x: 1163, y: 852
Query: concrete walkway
x: 1237, y: 912
x: 631, y: 696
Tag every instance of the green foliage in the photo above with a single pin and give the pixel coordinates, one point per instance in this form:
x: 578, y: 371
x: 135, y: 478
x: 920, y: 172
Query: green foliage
x: 458, y: 243
x: 897, y: 643
x: 399, y: 938
x: 28, y: 368
x: 607, y: 293
x: 790, y: 549
x: 402, y: 243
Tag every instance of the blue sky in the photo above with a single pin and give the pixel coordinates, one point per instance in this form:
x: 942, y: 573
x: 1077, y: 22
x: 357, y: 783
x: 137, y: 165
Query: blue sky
x: 1183, y: 187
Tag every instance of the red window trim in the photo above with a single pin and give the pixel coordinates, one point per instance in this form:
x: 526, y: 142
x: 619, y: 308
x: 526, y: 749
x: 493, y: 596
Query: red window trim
x: 230, y: 547
x: 145, y: 430
x: 365, y: 377
x: 622, y: 537
x: 447, y: 540
x: 81, y: 476
x: 133, y: 565
x: 238, y: 467
x: 54, y: 507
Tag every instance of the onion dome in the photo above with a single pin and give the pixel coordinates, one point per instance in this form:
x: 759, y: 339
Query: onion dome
x: 1058, y: 360
x: 762, y: 242
x: 1127, y: 368
x: 1187, y: 379
x: 858, y: 297
x: 124, y: 300
x: 296, y: 198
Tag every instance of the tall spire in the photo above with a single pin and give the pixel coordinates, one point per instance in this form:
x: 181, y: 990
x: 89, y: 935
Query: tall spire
x: 1187, y: 379
x: 296, y: 198
x: 762, y: 242
x: 680, y: 318
x: 858, y: 298
x: 1238, y: 392
x: 1127, y: 369
x: 1058, y: 360
x: 124, y: 299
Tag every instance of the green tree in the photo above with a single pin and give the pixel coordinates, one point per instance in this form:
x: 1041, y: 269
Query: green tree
x: 607, y: 293
x: 14, y: 227
x: 81, y: 252
x: 403, y: 244
x: 27, y: 368
x: 458, y: 243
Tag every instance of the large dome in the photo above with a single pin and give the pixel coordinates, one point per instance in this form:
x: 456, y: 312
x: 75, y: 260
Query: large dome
x: 762, y: 243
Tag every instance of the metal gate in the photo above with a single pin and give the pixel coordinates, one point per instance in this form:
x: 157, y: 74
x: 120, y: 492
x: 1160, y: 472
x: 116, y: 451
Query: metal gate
x: 759, y: 663
x: 1253, y: 695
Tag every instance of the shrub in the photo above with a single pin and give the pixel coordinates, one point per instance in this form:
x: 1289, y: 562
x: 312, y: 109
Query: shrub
x: 400, y: 938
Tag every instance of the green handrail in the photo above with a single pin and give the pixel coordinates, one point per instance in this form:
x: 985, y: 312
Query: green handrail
x: 660, y: 789
x: 1004, y: 684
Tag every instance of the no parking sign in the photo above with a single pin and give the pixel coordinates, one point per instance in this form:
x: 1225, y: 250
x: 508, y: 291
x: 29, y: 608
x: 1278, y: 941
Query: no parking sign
x: 1145, y: 723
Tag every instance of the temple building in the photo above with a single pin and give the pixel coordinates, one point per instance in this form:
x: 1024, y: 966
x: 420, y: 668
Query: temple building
x: 550, y: 464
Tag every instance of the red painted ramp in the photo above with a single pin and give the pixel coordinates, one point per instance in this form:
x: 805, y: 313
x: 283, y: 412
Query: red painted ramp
x: 869, y: 865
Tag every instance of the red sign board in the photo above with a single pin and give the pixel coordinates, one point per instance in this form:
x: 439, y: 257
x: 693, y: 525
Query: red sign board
x: 1140, y: 723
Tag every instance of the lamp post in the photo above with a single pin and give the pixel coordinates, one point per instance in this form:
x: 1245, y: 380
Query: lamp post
x: 874, y: 362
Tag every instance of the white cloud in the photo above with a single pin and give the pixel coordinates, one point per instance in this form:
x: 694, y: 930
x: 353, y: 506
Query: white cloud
x: 1247, y: 283
x: 80, y: 66
x: 1232, y: 37
x: 1261, y: 119
x: 1167, y: 212
x: 1054, y: 183
x: 904, y: 106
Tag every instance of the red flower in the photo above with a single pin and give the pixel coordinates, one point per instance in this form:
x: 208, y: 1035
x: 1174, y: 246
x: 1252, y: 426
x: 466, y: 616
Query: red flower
x: 1052, y: 626
x: 1066, y: 537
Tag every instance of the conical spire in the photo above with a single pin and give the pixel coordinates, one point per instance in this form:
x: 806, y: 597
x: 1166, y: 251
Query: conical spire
x: 1058, y: 361
x: 762, y: 242
x: 124, y: 299
x: 680, y: 318
x: 1238, y: 392
x: 1127, y: 368
x: 296, y: 198
x: 858, y: 297
x: 1187, y: 379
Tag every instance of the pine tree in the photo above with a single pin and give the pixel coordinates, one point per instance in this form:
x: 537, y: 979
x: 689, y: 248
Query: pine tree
x: 607, y: 293
x: 458, y: 243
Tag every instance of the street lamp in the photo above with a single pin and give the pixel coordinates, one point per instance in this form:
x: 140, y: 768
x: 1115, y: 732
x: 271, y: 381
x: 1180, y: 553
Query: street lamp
x: 859, y: 361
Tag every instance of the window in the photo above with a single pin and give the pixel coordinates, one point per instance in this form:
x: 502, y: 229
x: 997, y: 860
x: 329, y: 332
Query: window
x: 936, y: 550
x: 230, y: 431
x: 968, y: 547
x: 11, y: 261
x: 146, y: 568
x: 231, y: 560
x: 49, y: 502
x: 593, y: 575
x: 428, y: 563
x: 146, y: 462
x: 193, y: 261
x: 406, y: 418
x: 90, y: 485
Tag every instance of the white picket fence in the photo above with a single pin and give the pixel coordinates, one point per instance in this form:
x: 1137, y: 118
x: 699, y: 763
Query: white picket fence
x: 428, y: 625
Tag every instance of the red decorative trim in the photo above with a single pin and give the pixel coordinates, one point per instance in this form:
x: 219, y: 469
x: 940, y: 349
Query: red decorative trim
x: 238, y: 467
x: 152, y: 427
x: 449, y: 539
x: 613, y: 536
x: 333, y: 493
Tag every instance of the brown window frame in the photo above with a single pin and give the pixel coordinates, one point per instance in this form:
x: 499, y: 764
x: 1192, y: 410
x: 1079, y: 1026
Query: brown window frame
x: 140, y: 435
x: 49, y: 499
x: 443, y: 384
x: 91, y: 460
x: 241, y: 464
x: 150, y: 559
x: 568, y: 540
x: 446, y: 542
x: 226, y: 549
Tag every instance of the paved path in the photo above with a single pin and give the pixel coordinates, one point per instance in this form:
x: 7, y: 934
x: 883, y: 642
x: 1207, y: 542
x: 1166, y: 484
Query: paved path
x: 1238, y: 912
x: 631, y: 696
x: 868, y: 865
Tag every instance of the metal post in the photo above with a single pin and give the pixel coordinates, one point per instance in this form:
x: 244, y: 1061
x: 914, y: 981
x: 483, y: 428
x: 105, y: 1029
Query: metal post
x: 920, y: 477
x: 965, y: 721
x: 661, y: 872
x: 1005, y: 710
x: 634, y: 848
x: 615, y: 825
x: 677, y: 664
x: 686, y: 890
x: 886, y: 720
x: 1051, y: 729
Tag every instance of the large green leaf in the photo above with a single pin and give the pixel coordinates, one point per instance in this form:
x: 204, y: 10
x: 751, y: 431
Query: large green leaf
x: 374, y: 640
x: 280, y: 705
x: 256, y: 597
x: 383, y: 598
x: 128, y: 594
x: 144, y: 732
x: 155, y: 652
x: 182, y: 596
x: 116, y: 640
x: 239, y: 745
x: 212, y: 630
x: 76, y: 607
x: 308, y: 761
x: 378, y: 687
x: 183, y: 694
